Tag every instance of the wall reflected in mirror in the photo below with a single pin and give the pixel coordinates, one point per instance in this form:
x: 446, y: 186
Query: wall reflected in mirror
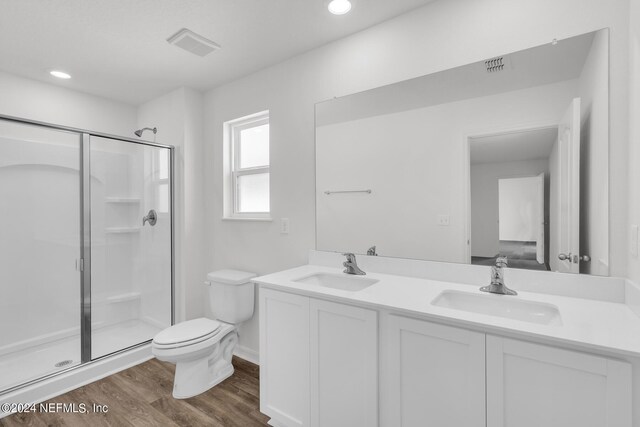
x: 507, y: 156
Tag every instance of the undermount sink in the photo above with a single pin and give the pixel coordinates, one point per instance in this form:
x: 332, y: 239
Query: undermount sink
x: 338, y: 281
x: 500, y: 305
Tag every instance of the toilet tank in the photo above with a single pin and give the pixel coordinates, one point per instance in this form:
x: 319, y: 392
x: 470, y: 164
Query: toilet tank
x: 231, y: 295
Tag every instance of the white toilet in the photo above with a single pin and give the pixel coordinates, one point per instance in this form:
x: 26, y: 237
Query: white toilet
x: 202, y: 348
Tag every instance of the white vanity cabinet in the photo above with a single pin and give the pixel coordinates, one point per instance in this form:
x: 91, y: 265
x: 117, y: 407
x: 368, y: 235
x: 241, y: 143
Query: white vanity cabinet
x: 284, y: 357
x: 318, y: 362
x: 330, y: 364
x: 344, y: 365
x: 531, y: 385
x: 431, y: 374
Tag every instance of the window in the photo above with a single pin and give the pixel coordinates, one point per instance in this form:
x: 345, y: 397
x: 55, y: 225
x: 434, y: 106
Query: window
x: 162, y: 168
x: 247, y: 141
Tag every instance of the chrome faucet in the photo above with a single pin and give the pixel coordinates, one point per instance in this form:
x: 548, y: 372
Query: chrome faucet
x: 497, y: 285
x: 351, y: 266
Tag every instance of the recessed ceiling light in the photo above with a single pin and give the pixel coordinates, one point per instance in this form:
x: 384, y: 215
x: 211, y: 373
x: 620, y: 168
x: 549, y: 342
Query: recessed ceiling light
x: 339, y: 7
x: 60, y: 74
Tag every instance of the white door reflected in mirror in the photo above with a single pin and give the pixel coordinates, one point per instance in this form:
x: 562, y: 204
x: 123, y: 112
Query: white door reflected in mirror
x: 520, y: 206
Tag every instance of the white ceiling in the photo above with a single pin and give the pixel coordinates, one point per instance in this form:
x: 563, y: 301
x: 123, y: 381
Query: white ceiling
x: 511, y: 147
x: 118, y: 48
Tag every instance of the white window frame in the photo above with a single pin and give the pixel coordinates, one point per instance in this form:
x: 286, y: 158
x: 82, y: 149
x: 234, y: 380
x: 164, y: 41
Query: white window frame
x: 232, y: 131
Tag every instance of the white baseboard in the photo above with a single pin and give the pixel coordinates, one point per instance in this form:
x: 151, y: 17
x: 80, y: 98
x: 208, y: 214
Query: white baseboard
x: 247, y: 354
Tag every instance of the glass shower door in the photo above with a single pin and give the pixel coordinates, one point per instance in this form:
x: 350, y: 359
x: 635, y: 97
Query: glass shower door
x: 130, y: 243
x: 40, y: 251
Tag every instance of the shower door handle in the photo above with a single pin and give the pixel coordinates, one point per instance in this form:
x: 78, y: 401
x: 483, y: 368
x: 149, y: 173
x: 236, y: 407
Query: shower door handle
x: 152, y: 217
x: 565, y: 257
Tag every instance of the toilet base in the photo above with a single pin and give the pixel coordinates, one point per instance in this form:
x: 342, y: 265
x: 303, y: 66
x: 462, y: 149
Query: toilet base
x: 197, y: 376
x: 190, y: 387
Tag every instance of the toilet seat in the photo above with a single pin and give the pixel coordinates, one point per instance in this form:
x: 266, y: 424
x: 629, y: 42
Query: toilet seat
x: 193, y: 349
x: 187, y: 333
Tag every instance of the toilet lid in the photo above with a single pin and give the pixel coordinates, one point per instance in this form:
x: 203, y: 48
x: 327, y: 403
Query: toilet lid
x: 187, y: 331
x: 230, y: 277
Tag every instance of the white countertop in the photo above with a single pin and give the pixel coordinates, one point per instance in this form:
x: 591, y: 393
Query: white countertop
x: 587, y: 324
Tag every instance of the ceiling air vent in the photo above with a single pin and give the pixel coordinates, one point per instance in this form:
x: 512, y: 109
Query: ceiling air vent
x: 494, y: 65
x: 192, y: 42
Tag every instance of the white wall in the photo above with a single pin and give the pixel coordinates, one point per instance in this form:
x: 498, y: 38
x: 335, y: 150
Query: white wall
x: 634, y: 135
x: 415, y: 164
x: 33, y: 100
x: 193, y: 241
x: 439, y: 36
x: 484, y: 200
x: 594, y: 167
x: 178, y: 116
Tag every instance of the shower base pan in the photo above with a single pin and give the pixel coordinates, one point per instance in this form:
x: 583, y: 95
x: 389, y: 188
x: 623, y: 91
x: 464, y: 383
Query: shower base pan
x: 38, y: 361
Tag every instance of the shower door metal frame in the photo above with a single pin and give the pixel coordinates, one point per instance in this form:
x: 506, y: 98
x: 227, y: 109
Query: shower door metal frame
x: 85, y: 248
x: 85, y: 239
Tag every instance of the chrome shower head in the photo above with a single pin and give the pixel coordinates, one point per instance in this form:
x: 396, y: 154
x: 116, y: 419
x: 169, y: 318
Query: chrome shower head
x: 140, y: 131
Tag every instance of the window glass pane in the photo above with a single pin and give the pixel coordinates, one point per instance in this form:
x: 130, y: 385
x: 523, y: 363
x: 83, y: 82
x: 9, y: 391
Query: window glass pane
x: 253, y: 193
x: 254, y: 146
x: 163, y: 164
x: 163, y: 198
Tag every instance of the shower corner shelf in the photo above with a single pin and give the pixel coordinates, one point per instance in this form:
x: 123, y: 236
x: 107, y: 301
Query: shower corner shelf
x: 122, y: 230
x: 122, y: 199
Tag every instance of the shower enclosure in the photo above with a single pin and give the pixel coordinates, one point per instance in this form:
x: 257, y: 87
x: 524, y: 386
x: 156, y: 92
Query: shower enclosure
x: 81, y: 275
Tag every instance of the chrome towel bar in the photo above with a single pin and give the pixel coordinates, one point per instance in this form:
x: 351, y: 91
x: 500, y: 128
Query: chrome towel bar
x: 347, y: 191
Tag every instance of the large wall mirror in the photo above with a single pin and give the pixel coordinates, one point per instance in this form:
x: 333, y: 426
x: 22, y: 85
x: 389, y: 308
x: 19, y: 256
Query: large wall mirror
x: 507, y: 156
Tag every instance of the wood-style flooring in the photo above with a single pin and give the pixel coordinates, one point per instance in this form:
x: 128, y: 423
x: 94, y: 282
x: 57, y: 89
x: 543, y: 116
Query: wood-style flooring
x: 141, y: 396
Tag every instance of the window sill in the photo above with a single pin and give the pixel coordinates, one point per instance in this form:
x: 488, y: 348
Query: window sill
x: 254, y: 219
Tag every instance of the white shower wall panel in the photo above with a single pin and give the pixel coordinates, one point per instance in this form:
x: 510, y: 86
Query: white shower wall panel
x: 115, y: 232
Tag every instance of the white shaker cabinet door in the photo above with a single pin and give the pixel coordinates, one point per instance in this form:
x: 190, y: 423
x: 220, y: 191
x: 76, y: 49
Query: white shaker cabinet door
x: 344, y: 365
x: 431, y: 375
x: 284, y: 358
x: 532, y: 385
